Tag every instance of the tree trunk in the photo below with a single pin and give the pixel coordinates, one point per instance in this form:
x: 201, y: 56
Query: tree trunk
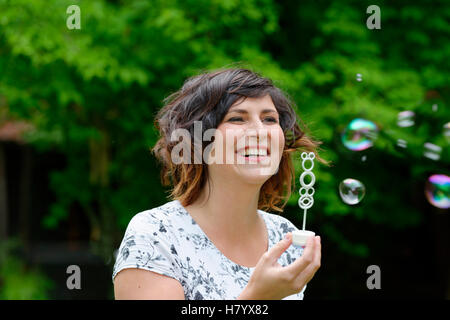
x: 3, y: 195
x: 25, y: 197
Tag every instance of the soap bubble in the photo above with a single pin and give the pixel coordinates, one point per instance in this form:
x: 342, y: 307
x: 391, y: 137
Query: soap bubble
x: 434, y: 107
x: 437, y: 190
x: 447, y: 131
x: 359, y: 134
x: 402, y: 143
x: 405, y: 119
x: 359, y: 77
x: 432, y: 151
x: 352, y: 191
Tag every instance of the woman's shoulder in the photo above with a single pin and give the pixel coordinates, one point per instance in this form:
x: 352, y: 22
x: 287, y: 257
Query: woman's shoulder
x: 162, y: 215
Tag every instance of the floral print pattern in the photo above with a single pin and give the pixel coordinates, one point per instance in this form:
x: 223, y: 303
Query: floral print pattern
x: 166, y: 240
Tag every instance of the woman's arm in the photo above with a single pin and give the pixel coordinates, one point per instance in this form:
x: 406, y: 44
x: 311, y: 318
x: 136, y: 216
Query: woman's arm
x: 138, y: 284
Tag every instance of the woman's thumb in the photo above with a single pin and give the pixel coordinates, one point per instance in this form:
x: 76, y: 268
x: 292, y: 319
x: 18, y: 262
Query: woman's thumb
x: 281, y: 246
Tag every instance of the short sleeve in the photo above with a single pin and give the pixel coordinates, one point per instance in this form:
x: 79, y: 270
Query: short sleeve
x: 146, y: 245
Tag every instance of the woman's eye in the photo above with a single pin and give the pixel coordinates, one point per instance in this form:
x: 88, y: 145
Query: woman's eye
x: 271, y: 119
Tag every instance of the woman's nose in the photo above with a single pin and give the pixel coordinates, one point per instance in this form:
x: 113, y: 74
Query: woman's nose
x: 256, y: 124
x: 256, y: 130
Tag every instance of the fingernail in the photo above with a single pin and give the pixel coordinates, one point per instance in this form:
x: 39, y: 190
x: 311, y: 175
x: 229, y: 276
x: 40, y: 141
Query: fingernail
x: 286, y: 237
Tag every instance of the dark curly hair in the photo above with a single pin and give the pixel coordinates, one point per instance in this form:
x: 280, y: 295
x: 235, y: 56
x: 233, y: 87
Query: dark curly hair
x: 207, y: 98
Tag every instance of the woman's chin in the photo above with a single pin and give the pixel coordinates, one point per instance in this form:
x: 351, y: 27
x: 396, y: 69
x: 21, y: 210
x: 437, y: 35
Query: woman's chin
x: 254, y: 174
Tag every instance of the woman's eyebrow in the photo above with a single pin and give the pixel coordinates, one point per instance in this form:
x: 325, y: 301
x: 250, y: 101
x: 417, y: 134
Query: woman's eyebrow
x: 245, y: 111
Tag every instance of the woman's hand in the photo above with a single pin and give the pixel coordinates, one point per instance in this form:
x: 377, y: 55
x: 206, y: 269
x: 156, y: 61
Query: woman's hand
x: 271, y: 281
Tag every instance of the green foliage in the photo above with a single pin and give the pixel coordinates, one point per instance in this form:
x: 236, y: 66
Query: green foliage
x: 93, y: 93
x: 17, y: 280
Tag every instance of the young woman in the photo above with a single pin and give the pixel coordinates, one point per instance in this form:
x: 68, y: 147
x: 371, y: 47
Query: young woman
x: 213, y: 240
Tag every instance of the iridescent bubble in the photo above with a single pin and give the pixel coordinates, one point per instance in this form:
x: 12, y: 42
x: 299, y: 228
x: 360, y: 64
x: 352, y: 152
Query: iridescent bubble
x: 437, y: 190
x: 352, y: 191
x: 359, y: 134
x: 359, y: 77
x: 405, y: 119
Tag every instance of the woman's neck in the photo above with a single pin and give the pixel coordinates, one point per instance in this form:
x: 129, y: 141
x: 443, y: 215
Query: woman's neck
x: 229, y: 209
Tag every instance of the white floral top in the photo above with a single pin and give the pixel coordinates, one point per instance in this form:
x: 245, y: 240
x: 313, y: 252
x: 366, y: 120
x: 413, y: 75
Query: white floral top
x: 166, y: 240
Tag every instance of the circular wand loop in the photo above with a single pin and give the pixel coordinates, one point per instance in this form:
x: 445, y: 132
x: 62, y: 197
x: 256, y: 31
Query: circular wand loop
x: 306, y: 199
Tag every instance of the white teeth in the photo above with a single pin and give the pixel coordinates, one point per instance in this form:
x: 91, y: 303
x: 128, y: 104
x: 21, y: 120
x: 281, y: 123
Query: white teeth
x: 254, y: 152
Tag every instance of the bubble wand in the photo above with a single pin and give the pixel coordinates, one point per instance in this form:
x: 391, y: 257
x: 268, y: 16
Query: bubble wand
x: 300, y: 237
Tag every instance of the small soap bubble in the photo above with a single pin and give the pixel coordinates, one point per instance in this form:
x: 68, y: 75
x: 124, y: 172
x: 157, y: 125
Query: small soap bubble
x: 447, y: 131
x: 352, y: 191
x: 434, y: 107
x: 437, y: 190
x: 364, y: 158
x: 402, y: 143
x: 359, y: 134
x: 359, y: 77
x: 432, y: 151
x: 405, y: 119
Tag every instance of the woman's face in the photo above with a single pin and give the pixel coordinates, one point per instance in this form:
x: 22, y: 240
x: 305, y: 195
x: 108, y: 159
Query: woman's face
x: 252, y: 141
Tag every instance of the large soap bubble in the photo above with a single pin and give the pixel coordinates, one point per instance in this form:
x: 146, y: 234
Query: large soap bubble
x: 437, y: 190
x: 352, y: 191
x: 359, y: 134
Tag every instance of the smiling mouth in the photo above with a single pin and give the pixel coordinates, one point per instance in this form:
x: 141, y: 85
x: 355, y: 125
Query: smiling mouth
x: 254, y: 154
